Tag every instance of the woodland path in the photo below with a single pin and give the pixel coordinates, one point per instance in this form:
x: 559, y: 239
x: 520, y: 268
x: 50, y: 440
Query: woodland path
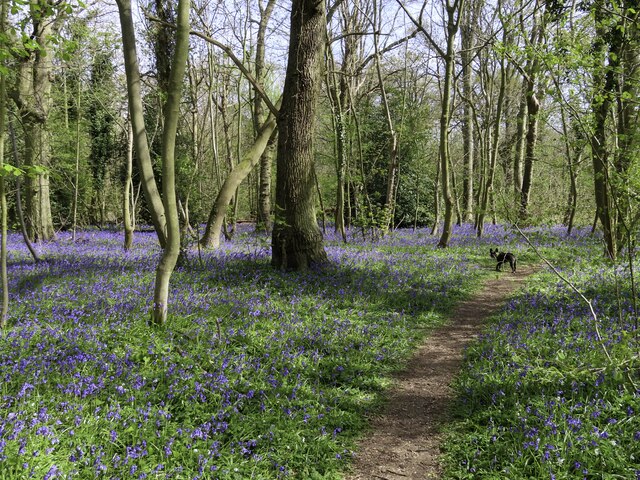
x: 404, y: 441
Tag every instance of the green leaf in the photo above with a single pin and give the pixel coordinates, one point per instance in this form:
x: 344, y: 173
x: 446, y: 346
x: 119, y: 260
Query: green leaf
x: 8, y: 169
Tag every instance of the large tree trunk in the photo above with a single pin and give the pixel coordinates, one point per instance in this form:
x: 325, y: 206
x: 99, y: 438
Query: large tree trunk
x: 32, y: 96
x: 37, y: 202
x: 600, y: 105
x: 136, y: 112
x: 211, y: 237
x: 297, y: 239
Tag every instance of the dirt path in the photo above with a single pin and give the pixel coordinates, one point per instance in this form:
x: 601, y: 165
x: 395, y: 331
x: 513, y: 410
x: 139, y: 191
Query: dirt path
x: 405, y: 440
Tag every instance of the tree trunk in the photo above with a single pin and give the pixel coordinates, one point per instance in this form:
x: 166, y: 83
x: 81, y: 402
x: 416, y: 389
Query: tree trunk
x: 296, y: 239
x: 126, y: 200
x: 492, y: 147
x: 572, y: 197
x: 436, y: 203
x: 340, y: 146
x: 32, y: 96
x: 136, y: 112
x: 264, y: 183
x: 600, y: 105
x: 453, y: 18
x: 171, y: 116
x: 4, y: 279
x: 572, y: 167
x: 627, y: 50
x: 211, y: 237
x: 533, y: 108
x: 76, y: 176
x: 19, y: 209
x: 518, y: 157
x: 393, y: 163
x: 264, y: 193
x: 37, y: 204
x: 466, y: 55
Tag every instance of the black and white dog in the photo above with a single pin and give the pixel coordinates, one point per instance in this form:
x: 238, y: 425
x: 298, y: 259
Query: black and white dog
x: 502, y: 257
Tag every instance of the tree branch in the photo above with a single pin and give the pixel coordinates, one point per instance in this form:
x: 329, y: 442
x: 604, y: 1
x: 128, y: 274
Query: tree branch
x: 226, y: 49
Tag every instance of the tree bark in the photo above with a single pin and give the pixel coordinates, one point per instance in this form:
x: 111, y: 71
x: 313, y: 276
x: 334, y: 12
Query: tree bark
x: 171, y: 116
x: 4, y: 279
x: 493, y: 147
x: 136, y: 112
x: 264, y: 183
x: 393, y: 164
x: 600, y: 105
x: 518, y: 157
x: 19, y: 209
x: 296, y: 239
x: 126, y: 200
x: 453, y: 19
x: 627, y: 51
x: 339, y: 128
x: 466, y: 55
x: 32, y: 96
x: 211, y: 237
x: 533, y: 109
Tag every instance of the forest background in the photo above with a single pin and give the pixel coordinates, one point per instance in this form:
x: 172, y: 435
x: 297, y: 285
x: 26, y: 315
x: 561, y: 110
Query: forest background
x: 427, y: 114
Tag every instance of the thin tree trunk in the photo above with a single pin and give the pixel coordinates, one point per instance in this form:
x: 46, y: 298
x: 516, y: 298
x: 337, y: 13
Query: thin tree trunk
x: 171, y: 116
x: 445, y: 118
x: 572, y: 200
x: 436, y: 203
x: 264, y: 189
x: 518, y: 157
x: 572, y: 196
x: 4, y: 279
x: 456, y: 197
x: 340, y: 144
x: 136, y: 112
x: 466, y: 55
x: 393, y: 165
x: 19, y: 209
x: 533, y: 109
x: 126, y: 202
x: 211, y: 237
x: 76, y: 179
x: 492, y: 147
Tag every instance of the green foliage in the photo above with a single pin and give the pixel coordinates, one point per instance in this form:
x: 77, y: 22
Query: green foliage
x: 8, y: 170
x: 417, y: 157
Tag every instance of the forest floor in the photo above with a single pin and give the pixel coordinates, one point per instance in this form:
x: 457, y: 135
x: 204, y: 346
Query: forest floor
x: 405, y: 440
